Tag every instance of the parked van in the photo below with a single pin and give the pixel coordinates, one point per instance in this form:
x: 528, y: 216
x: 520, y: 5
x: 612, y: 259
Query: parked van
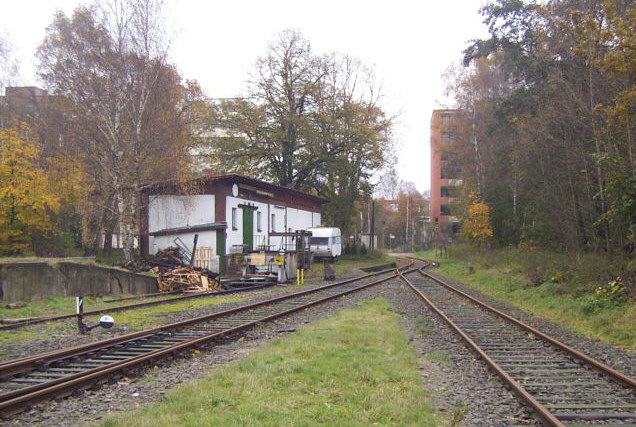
x: 325, y: 242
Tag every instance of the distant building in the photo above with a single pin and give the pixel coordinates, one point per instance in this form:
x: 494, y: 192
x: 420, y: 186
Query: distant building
x: 445, y: 179
x: 231, y: 214
x: 24, y: 102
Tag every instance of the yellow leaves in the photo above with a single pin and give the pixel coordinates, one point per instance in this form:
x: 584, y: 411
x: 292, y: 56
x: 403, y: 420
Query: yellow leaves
x: 68, y: 180
x: 476, y: 226
x: 26, y: 199
x: 618, y: 57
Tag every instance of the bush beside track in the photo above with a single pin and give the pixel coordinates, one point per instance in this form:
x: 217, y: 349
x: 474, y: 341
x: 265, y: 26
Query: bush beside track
x: 576, y: 293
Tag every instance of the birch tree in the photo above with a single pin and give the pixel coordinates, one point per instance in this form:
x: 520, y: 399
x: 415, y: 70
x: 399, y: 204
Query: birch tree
x: 109, y: 61
x: 8, y: 64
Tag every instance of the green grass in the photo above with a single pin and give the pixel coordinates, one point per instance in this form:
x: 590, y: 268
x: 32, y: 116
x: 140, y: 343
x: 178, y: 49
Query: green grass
x: 53, y: 261
x: 150, y: 317
x: 439, y: 357
x: 346, y: 264
x: 512, y: 276
x: 353, y: 369
x: 423, y: 327
x: 50, y: 261
x: 125, y: 321
x: 100, y: 261
x: 59, y: 305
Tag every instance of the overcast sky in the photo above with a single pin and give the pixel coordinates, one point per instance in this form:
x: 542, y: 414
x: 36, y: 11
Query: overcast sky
x: 408, y: 42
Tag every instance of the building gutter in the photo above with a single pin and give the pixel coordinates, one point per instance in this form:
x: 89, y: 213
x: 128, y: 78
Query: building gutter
x: 190, y: 229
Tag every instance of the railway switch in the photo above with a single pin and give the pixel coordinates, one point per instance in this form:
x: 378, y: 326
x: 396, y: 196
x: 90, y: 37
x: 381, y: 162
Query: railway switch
x: 104, y: 321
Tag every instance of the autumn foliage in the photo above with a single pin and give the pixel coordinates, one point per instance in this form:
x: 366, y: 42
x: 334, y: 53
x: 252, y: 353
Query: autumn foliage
x: 549, y: 135
x: 476, y: 225
x: 27, y: 201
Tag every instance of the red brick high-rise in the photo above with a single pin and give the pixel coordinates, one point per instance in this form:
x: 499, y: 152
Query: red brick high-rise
x: 445, y: 180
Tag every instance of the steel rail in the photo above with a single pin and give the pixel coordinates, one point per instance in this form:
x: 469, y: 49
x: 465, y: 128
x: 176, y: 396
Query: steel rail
x: 603, y: 368
x: 543, y: 412
x: 527, y: 371
x: 15, y: 366
x: 17, y: 400
x: 146, y: 304
x: 127, y: 307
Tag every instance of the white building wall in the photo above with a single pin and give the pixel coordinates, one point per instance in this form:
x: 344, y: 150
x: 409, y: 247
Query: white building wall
x: 206, y: 239
x: 301, y: 220
x: 235, y: 242
x: 289, y: 219
x: 277, y: 223
x: 170, y: 211
x: 260, y: 235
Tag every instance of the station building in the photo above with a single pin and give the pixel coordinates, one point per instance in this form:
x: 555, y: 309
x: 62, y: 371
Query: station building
x: 446, y: 127
x: 231, y: 214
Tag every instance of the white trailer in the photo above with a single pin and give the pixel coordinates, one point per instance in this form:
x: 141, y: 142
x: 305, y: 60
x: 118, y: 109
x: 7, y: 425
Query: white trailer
x: 325, y: 242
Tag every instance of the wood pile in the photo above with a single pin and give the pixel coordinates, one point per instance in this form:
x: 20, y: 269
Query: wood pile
x: 174, y: 275
x: 168, y: 258
x: 188, y: 279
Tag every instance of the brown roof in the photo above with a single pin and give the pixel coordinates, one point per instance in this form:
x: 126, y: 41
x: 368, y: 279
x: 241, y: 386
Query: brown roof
x: 242, y: 179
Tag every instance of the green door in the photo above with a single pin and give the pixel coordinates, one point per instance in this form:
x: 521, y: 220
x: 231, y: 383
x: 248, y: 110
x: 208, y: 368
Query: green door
x: 248, y: 229
x: 220, y: 250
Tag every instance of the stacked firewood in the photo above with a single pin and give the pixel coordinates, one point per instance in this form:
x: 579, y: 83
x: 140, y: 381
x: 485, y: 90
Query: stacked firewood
x: 174, y: 275
x: 168, y: 258
x: 188, y: 279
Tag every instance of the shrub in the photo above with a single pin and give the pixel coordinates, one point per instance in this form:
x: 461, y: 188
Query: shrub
x: 610, y: 295
x: 354, y: 249
x: 560, y: 277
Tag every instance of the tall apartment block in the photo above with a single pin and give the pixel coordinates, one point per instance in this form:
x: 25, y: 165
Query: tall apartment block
x: 445, y: 179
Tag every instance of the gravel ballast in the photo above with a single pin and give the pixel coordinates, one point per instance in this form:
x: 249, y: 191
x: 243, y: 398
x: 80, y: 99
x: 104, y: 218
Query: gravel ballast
x: 460, y: 385
x: 618, y: 358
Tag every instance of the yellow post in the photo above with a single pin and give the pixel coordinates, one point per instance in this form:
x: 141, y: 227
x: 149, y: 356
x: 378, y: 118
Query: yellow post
x: 302, y: 276
x: 298, y: 276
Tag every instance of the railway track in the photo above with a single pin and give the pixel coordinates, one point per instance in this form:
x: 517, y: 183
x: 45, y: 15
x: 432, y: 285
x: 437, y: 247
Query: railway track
x: 129, y: 306
x: 564, y: 386
x: 27, y: 381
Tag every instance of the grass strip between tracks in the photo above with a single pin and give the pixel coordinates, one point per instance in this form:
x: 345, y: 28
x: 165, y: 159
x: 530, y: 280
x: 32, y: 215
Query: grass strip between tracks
x: 125, y: 321
x: 355, y: 368
x: 616, y: 325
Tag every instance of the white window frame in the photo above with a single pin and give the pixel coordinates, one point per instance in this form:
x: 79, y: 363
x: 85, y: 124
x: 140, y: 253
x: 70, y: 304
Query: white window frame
x: 234, y: 218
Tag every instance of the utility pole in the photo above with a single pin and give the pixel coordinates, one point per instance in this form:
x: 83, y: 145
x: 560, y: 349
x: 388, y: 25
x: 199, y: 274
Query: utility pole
x: 406, y: 234
x: 372, y: 231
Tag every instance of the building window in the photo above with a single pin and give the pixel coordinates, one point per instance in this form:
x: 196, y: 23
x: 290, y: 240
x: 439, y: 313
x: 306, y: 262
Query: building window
x: 448, y: 191
x: 259, y: 227
x: 448, y: 155
x: 274, y: 223
x: 446, y: 117
x: 448, y: 137
x: 445, y: 210
x: 234, y: 219
x: 450, y: 172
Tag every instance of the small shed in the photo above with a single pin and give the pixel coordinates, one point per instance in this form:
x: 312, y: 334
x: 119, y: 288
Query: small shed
x: 230, y: 213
